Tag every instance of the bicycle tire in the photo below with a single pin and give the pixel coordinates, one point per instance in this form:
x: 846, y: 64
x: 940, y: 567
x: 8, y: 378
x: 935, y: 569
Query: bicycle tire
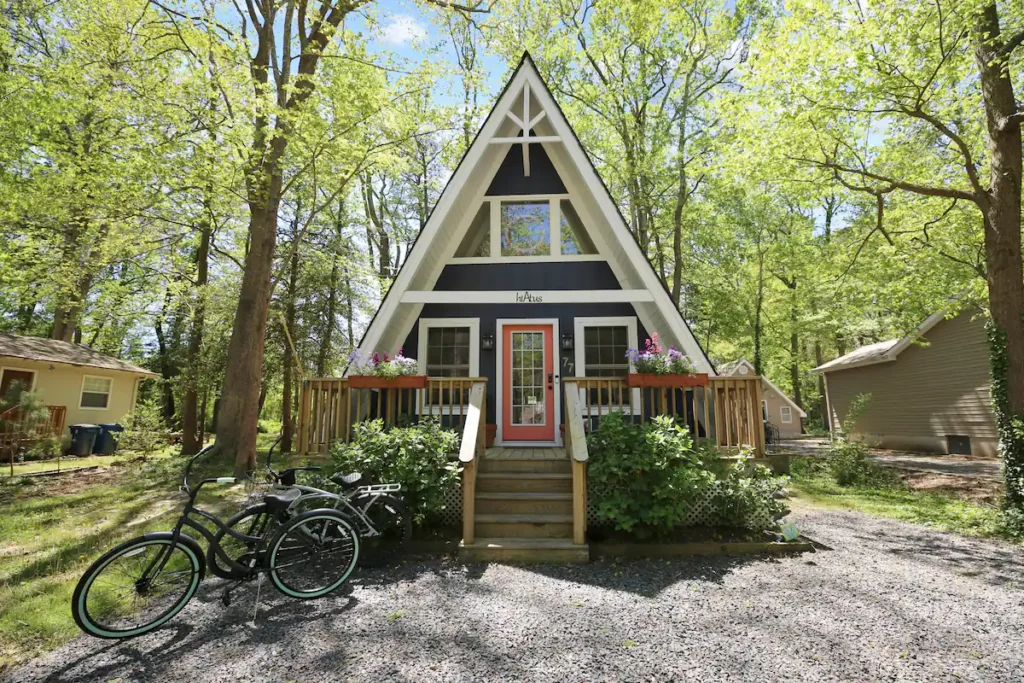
x: 374, y: 552
x: 299, y: 533
x: 133, y: 548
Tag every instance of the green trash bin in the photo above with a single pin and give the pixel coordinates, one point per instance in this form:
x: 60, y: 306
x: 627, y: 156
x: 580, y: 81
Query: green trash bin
x: 106, y: 441
x: 83, y: 438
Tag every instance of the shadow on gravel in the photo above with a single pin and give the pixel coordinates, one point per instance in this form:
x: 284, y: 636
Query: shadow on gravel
x: 649, y: 577
x: 152, y: 657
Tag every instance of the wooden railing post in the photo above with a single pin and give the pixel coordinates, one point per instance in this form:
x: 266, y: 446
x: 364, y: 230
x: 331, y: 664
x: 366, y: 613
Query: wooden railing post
x: 468, y: 452
x: 576, y: 446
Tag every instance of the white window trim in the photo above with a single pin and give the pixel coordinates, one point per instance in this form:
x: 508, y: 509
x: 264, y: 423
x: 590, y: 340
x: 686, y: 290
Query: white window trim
x: 35, y: 374
x: 786, y: 415
x: 421, y: 356
x: 632, y: 341
x: 500, y: 379
x: 110, y: 392
x: 554, y: 232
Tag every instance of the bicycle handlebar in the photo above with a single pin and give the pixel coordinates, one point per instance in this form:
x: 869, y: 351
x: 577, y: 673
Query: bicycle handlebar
x: 191, y: 461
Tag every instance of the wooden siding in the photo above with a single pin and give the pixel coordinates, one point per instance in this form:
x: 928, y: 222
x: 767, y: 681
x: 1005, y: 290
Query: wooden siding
x: 489, y: 316
x: 511, y: 180
x: 928, y: 392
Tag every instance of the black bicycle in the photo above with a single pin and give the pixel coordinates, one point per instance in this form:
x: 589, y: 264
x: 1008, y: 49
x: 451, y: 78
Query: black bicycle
x: 142, y: 583
x: 381, y: 517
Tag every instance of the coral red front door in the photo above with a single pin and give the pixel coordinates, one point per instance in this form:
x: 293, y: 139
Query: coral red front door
x: 528, y: 396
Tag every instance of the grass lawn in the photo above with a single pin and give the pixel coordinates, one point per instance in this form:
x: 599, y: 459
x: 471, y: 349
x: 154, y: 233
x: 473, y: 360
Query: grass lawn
x: 52, y: 528
x: 117, y: 460
x: 940, y: 510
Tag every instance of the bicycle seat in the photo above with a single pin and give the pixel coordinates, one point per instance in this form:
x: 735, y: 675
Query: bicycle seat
x: 348, y: 481
x: 280, y: 498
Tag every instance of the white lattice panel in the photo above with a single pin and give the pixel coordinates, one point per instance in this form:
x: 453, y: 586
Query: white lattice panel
x: 452, y: 513
x: 702, y: 511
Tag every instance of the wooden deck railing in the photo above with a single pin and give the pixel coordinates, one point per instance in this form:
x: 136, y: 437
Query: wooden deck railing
x: 576, y: 447
x: 329, y: 407
x: 18, y: 431
x: 470, y: 452
x: 727, y: 412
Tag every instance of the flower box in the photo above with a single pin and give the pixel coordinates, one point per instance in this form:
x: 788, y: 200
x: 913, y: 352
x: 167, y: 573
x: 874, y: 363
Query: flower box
x: 374, y: 382
x: 645, y: 379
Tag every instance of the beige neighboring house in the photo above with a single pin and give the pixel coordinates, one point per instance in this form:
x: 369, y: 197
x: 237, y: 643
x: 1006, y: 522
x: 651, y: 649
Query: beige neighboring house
x: 929, y: 390
x: 776, y: 407
x: 93, y: 387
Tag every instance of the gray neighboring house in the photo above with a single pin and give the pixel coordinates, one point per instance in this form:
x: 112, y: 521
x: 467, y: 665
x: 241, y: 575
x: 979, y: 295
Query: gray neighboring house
x: 930, y: 390
x: 776, y: 406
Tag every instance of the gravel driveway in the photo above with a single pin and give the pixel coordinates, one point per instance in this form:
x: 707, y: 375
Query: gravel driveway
x: 889, y: 601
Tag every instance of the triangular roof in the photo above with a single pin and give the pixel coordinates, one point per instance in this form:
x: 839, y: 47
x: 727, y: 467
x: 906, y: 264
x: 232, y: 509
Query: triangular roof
x: 745, y: 367
x: 883, y: 351
x: 433, y: 248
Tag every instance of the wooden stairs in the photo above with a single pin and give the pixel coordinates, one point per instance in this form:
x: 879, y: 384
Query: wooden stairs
x: 524, y: 509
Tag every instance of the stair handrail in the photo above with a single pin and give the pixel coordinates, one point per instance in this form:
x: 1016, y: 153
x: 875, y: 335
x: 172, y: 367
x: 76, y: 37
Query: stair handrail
x: 472, y: 444
x: 576, y: 445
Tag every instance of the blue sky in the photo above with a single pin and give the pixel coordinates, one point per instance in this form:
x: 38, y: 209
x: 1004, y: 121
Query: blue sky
x: 407, y: 30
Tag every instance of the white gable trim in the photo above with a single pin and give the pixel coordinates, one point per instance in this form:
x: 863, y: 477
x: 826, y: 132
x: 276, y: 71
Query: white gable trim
x: 526, y: 76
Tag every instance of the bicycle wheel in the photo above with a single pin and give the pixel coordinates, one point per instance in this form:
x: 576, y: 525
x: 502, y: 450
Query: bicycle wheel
x: 313, y: 554
x: 116, y: 598
x: 391, y: 528
x: 254, y: 520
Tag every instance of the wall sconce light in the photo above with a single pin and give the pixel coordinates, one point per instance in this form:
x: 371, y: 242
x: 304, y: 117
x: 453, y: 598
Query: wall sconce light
x: 487, y: 342
x: 567, y: 342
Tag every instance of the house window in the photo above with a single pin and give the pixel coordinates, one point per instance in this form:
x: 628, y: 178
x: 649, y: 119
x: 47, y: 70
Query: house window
x: 95, y: 392
x: 13, y: 382
x: 601, y: 345
x: 449, y: 347
x: 574, y: 237
x: 525, y: 228
x: 786, y: 413
x: 477, y: 242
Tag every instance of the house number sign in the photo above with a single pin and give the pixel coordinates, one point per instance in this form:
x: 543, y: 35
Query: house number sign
x: 527, y: 298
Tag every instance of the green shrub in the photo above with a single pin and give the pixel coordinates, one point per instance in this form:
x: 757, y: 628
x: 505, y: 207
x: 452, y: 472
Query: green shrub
x: 144, y: 430
x: 849, y: 465
x: 748, y: 492
x: 28, y: 419
x: 417, y: 457
x: 648, y: 478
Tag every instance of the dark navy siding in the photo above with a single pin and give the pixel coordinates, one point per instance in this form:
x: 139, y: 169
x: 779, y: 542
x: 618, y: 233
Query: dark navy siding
x: 510, y: 178
x: 489, y: 315
x: 526, y: 276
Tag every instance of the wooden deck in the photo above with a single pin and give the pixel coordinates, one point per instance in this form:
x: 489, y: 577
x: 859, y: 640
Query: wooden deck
x: 540, y: 453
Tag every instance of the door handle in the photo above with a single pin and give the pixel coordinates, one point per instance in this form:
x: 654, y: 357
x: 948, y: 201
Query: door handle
x: 551, y: 385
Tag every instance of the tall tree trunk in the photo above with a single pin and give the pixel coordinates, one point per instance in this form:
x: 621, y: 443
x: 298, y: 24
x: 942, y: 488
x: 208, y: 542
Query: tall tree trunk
x: 1001, y: 207
x: 191, y: 440
x: 167, y: 372
x: 819, y: 359
x: 758, y: 305
x: 287, y: 427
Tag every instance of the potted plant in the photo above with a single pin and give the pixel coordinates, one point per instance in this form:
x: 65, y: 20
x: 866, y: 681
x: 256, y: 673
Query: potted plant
x: 384, y: 372
x: 653, y: 368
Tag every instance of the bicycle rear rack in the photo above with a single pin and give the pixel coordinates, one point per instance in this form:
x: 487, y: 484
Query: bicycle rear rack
x: 380, y: 488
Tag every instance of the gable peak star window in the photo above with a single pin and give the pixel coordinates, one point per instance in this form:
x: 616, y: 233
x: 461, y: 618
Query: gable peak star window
x: 525, y: 135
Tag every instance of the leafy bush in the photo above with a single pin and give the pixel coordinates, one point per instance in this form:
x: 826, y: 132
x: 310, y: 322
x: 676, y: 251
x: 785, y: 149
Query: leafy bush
x: 849, y: 465
x: 417, y: 457
x: 28, y: 417
x: 144, y: 429
x: 648, y: 478
x: 745, y: 492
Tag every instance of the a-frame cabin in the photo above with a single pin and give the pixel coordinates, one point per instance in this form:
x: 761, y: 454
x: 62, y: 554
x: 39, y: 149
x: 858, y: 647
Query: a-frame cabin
x: 519, y: 300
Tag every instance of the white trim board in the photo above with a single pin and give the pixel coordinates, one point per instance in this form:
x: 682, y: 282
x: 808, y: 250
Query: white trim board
x: 458, y: 204
x: 561, y: 258
x: 550, y: 296
x: 499, y: 375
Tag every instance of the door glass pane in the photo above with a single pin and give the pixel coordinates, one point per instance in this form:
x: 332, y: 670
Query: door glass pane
x: 527, y: 374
